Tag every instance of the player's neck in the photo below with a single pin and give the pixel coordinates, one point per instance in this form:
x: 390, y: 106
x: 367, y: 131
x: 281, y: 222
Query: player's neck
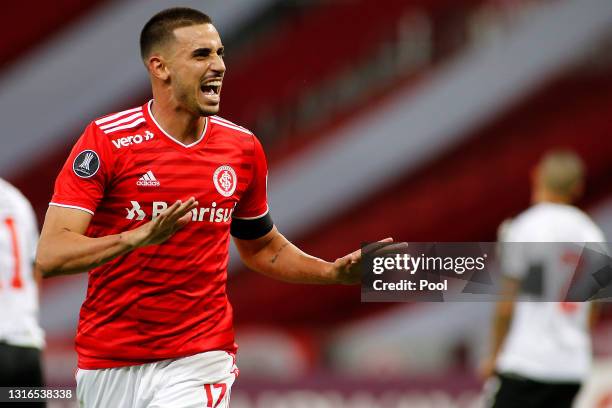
x: 181, y: 125
x: 544, y: 196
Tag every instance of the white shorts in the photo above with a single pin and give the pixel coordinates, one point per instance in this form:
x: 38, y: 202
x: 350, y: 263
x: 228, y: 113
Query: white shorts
x: 202, y: 380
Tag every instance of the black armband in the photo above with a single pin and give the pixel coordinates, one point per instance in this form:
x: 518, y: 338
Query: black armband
x: 251, y: 228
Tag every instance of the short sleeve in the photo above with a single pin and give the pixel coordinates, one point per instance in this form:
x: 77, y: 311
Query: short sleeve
x: 254, y: 202
x: 251, y: 219
x: 82, y: 181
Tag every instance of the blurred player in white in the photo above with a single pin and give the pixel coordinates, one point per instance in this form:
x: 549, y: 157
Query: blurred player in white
x: 21, y: 338
x: 541, y: 351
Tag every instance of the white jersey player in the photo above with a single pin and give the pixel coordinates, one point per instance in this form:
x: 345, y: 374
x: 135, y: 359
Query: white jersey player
x: 542, y: 350
x: 21, y: 337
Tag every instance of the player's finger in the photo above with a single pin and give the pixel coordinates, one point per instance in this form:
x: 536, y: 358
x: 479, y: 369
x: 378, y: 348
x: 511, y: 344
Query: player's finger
x: 183, y: 209
x: 377, y: 245
x: 162, y: 219
x: 342, y: 262
x: 398, y: 247
x: 181, y: 222
x: 181, y: 212
x: 171, y: 210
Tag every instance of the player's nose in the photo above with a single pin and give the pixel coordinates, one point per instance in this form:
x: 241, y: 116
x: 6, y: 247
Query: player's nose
x: 218, y: 65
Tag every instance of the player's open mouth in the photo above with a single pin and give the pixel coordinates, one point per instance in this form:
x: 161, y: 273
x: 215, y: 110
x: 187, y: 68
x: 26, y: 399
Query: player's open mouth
x: 211, y: 88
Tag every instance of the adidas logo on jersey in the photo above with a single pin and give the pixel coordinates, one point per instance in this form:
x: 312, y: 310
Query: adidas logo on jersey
x: 147, y: 180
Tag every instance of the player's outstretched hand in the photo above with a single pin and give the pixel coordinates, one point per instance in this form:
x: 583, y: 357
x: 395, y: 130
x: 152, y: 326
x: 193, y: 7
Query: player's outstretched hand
x: 347, y: 270
x: 164, y: 225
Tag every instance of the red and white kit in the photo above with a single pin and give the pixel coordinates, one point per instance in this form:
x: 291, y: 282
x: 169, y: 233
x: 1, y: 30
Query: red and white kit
x: 163, y: 301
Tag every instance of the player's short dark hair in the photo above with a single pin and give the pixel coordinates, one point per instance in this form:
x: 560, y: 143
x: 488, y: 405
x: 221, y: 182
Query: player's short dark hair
x: 160, y: 28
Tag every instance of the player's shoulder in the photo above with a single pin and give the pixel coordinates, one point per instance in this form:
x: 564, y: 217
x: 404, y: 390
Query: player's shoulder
x: 543, y: 212
x: 236, y: 136
x: 217, y: 122
x: 553, y: 213
x: 590, y: 231
x: 530, y: 224
x: 112, y: 124
x: 546, y: 217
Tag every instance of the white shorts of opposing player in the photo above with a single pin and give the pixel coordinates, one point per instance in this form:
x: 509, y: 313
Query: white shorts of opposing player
x: 201, y: 380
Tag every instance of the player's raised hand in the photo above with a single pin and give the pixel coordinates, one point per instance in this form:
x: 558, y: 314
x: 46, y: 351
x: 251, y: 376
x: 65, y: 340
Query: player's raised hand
x: 347, y: 270
x: 165, y: 225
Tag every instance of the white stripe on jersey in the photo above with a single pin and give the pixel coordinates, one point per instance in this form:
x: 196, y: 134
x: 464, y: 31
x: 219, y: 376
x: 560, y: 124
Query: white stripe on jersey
x: 71, y: 206
x: 117, y: 115
x: 123, y: 120
x: 129, y: 125
x: 229, y: 122
x: 238, y: 128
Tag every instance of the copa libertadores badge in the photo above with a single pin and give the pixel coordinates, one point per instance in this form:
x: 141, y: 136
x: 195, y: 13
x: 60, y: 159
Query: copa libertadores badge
x: 225, y: 180
x: 86, y: 164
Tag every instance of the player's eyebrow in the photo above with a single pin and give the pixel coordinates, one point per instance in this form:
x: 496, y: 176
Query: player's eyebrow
x: 204, y: 52
x: 201, y: 52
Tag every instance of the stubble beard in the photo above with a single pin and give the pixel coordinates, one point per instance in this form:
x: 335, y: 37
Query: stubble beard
x: 190, y: 102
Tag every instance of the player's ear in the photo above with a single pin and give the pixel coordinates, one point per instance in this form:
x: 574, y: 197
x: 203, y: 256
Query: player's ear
x: 157, y: 67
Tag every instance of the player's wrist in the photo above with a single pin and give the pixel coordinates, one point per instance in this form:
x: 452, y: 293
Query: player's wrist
x: 335, y: 274
x: 132, y: 239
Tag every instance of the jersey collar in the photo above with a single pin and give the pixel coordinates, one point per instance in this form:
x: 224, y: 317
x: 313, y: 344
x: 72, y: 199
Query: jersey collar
x: 151, y: 119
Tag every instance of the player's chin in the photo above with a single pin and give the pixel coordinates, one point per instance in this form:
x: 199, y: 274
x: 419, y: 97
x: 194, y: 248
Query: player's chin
x: 209, y: 109
x: 208, y: 104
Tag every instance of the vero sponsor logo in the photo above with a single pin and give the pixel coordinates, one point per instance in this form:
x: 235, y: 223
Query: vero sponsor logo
x: 130, y: 140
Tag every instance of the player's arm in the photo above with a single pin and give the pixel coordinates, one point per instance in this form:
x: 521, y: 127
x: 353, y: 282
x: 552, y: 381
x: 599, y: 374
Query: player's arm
x: 502, y: 317
x: 594, y: 312
x: 274, y: 256
x: 264, y: 249
x: 64, y: 249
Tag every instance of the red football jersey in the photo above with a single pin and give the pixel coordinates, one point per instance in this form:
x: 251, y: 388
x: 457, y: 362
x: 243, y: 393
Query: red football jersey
x: 168, y: 300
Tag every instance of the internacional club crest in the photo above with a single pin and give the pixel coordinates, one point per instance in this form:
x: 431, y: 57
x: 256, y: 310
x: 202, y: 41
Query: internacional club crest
x: 86, y: 164
x: 225, y: 180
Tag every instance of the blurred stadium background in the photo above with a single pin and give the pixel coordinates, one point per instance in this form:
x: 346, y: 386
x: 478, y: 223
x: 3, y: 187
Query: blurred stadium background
x: 417, y: 119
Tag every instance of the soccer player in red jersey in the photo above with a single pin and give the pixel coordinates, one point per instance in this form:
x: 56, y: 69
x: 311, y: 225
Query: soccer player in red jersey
x: 146, y: 203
